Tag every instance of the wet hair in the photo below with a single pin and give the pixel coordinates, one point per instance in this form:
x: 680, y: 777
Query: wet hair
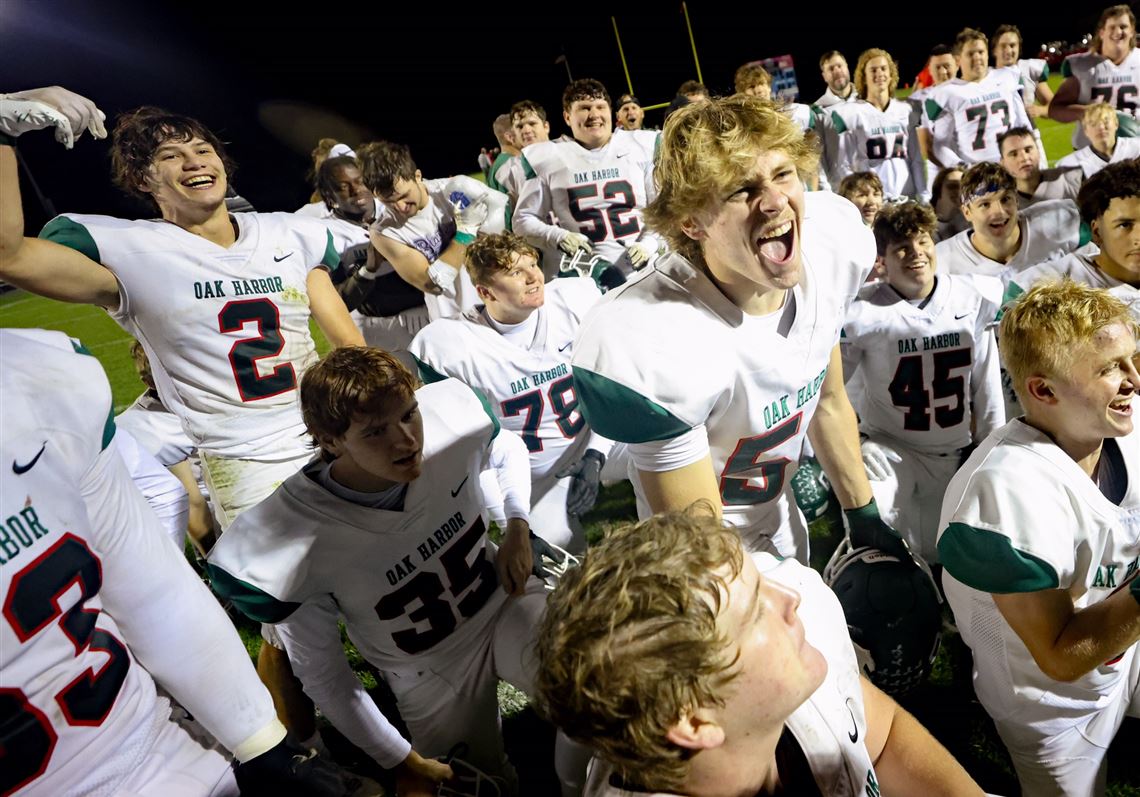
x: 584, y: 89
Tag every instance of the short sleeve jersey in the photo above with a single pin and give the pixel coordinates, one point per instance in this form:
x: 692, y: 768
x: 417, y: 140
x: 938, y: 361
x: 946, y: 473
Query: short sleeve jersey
x: 1079, y: 268
x: 1031, y: 72
x: 408, y: 582
x: 1100, y: 80
x: 669, y: 352
x: 1091, y: 162
x: 226, y: 330
x: 967, y: 117
x: 530, y: 389
x: 1015, y: 485
x: 924, y: 366
x: 881, y: 142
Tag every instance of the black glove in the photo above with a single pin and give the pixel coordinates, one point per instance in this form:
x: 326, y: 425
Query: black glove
x: 540, y: 549
x: 289, y: 769
x: 867, y: 529
x: 587, y: 477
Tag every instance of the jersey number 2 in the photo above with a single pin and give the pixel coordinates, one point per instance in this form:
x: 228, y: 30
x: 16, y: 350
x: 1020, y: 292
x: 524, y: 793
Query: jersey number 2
x: 32, y: 603
x: 246, y: 352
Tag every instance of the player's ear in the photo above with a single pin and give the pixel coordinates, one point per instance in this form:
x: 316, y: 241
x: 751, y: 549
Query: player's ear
x: 695, y: 730
x: 1040, y: 389
x: 333, y: 445
x: 880, y: 266
x: 693, y: 229
x: 566, y: 117
x: 1094, y: 230
x: 484, y: 293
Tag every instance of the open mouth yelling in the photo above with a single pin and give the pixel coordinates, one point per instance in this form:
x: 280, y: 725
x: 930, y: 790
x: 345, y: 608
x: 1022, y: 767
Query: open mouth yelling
x: 778, y: 244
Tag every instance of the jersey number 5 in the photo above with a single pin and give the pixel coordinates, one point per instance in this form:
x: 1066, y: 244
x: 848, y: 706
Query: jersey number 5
x: 745, y: 465
x: 246, y: 352
x: 27, y: 738
x: 592, y: 222
x: 908, y: 390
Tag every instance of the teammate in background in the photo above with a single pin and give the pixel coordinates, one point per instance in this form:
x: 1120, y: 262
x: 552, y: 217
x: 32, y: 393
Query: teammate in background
x: 930, y: 373
x: 753, y: 80
x: 1022, y: 159
x: 945, y: 193
x: 630, y: 116
x: 326, y: 148
x: 529, y: 126
x: 694, y: 667
x: 693, y: 91
x: 1003, y: 240
x: 515, y: 349
x: 395, y: 492
x: 602, y: 216
x: 967, y: 114
x: 1034, y: 72
x: 864, y: 190
x: 681, y: 364
x: 1110, y: 206
x: 508, y: 150
x: 1100, y: 126
x: 99, y: 606
x: 875, y: 132
x: 1109, y: 72
x: 1040, y: 529
x: 388, y: 310
x: 943, y: 66
x: 833, y: 69
x: 425, y: 231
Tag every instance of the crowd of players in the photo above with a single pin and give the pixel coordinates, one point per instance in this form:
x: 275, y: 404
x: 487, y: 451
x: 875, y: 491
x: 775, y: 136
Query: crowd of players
x: 754, y: 321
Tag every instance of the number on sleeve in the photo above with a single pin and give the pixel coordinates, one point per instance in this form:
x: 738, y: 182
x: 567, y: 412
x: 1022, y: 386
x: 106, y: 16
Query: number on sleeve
x: 744, y: 466
x: 31, y: 605
x: 245, y: 353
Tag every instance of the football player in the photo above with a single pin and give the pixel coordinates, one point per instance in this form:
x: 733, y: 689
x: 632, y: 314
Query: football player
x: 1109, y: 72
x: 694, y: 667
x: 428, y: 224
x: 946, y: 197
x: 1034, y: 72
x: 875, y: 132
x: 1100, y: 127
x: 969, y: 112
x: 384, y: 531
x: 1022, y: 159
x: 596, y: 186
x: 1110, y: 207
x: 515, y: 349
x: 719, y: 361
x: 864, y: 190
x: 100, y: 608
x: 943, y: 66
x: 930, y: 373
x: 1001, y: 239
x: 1041, y: 534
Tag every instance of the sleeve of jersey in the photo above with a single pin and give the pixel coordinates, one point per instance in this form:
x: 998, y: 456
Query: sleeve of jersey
x: 849, y: 348
x: 331, y: 258
x: 70, y: 233
x: 173, y: 626
x: 312, y: 640
x: 510, y: 460
x: 423, y: 349
x: 988, y: 402
x: 533, y: 209
x: 1066, y: 68
x: 246, y: 566
x: 993, y: 541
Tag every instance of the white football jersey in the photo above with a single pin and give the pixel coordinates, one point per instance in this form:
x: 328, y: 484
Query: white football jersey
x: 1091, y: 162
x: 883, y: 142
x: 226, y: 330
x: 407, y: 582
x: 830, y: 727
x: 967, y: 117
x: 598, y: 193
x: 350, y: 240
x: 668, y: 353
x: 1060, y: 182
x: 1101, y: 80
x: 163, y: 492
x: 157, y: 429
x: 1049, y: 230
x: 78, y: 549
x: 1031, y: 72
x: 930, y: 373
x: 1015, y: 485
x: 531, y: 389
x: 1079, y: 268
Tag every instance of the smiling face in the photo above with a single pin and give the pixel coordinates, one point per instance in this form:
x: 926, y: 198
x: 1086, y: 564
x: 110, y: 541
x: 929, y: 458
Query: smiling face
x: 381, y: 449
x: 186, y: 177
x: 530, y: 128
x: 407, y: 197
x: 590, y: 122
x: 1007, y: 49
x: 943, y: 67
x: 877, y: 74
x: 353, y: 199
x: 993, y: 216
x: 511, y: 295
x: 974, y: 60
x: 750, y: 238
x: 1117, y: 38
x: 909, y: 265
x: 869, y: 200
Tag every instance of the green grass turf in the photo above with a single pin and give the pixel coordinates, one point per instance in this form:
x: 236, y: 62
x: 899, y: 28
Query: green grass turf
x: 946, y: 705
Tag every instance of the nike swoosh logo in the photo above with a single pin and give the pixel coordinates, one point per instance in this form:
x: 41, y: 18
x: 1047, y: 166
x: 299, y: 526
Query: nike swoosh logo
x: 621, y: 154
x: 455, y: 492
x: 564, y: 348
x: 277, y: 259
x: 19, y: 469
x: 853, y: 734
x: 960, y: 317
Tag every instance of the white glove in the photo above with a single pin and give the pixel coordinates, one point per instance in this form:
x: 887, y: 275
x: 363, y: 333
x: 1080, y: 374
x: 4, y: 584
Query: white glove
x: 877, y: 460
x: 69, y: 113
x: 444, y: 276
x: 638, y: 255
x: 574, y: 242
x: 469, y: 207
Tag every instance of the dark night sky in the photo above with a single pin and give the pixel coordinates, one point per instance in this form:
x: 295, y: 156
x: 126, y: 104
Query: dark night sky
x: 427, y: 78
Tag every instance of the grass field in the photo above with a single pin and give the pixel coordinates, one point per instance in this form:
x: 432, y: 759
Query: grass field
x: 946, y: 704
